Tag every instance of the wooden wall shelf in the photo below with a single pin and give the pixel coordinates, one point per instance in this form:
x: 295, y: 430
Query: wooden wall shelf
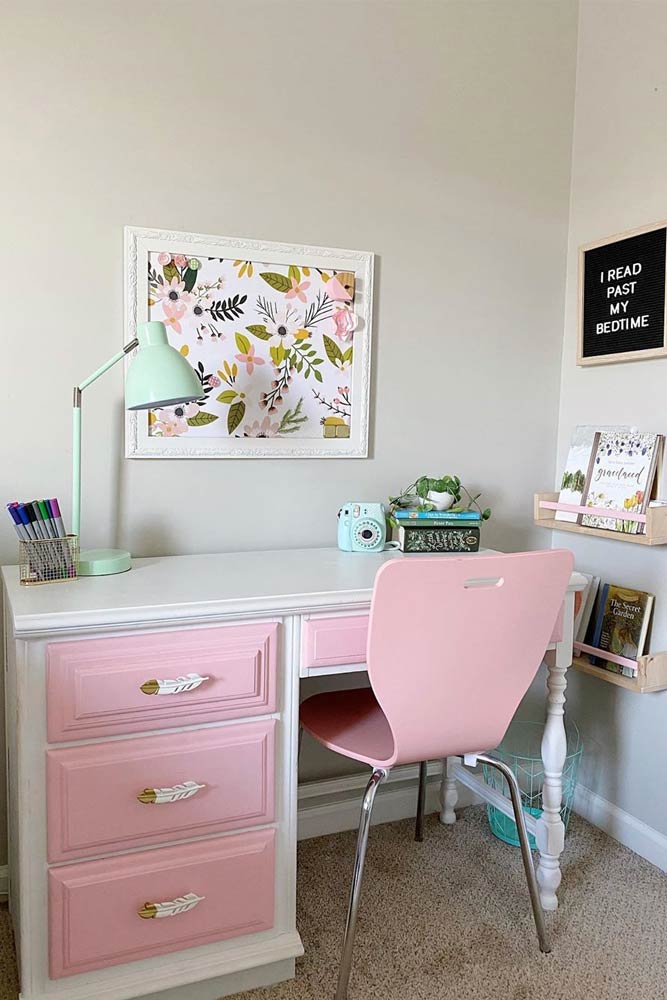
x: 656, y: 523
x: 651, y: 673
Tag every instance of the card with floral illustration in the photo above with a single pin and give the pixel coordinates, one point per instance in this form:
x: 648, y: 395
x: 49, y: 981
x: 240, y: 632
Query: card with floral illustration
x: 621, y: 477
x: 278, y: 335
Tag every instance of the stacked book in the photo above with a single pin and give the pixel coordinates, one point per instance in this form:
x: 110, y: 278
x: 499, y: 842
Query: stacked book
x: 436, y: 530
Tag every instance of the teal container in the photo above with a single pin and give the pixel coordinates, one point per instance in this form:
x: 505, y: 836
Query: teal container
x: 521, y: 750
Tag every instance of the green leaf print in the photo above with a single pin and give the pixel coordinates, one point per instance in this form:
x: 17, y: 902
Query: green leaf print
x: 242, y: 343
x: 228, y: 396
x: 170, y: 272
x: 259, y: 330
x: 280, y: 282
x: 201, y: 419
x: 189, y: 279
x: 235, y: 415
x: 347, y: 356
x: 294, y: 272
x: 334, y: 353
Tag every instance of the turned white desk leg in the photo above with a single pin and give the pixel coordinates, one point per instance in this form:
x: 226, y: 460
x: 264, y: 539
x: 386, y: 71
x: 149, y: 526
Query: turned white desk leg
x: 449, y: 792
x: 550, y: 832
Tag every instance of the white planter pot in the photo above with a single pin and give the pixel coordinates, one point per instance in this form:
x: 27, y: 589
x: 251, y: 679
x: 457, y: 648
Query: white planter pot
x: 441, y: 501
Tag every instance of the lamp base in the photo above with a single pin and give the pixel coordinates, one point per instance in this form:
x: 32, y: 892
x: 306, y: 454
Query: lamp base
x: 104, y: 562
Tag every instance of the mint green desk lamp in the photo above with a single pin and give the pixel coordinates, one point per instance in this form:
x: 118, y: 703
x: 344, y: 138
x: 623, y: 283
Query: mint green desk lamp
x: 158, y: 376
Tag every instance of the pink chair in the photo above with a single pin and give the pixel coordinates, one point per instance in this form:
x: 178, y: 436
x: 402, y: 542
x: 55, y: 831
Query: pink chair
x: 453, y: 646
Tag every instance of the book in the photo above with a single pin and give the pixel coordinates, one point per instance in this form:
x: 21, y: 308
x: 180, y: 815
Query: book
x: 624, y: 621
x: 437, y: 515
x: 438, y: 539
x: 595, y: 625
x: 583, y: 616
x: 441, y: 522
x: 579, y: 458
x: 620, y: 477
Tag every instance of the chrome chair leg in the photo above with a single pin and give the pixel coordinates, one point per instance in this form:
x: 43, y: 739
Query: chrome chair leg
x: 421, y: 801
x: 376, y: 779
x: 515, y: 795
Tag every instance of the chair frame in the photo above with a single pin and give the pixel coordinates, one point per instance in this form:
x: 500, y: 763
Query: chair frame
x: 377, y: 777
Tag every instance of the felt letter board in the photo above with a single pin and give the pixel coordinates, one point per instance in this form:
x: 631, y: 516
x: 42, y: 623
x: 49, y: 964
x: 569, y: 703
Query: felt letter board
x: 622, y: 297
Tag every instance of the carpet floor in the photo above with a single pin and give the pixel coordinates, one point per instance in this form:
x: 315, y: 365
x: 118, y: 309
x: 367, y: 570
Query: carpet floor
x: 449, y: 919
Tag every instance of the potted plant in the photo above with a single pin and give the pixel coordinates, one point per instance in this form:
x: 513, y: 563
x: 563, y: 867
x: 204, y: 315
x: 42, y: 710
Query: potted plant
x: 444, y: 493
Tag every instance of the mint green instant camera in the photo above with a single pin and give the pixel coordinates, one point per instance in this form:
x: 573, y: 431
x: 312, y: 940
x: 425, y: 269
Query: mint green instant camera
x: 361, y: 527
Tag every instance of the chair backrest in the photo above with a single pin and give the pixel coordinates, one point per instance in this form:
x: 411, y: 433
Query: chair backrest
x: 454, y: 643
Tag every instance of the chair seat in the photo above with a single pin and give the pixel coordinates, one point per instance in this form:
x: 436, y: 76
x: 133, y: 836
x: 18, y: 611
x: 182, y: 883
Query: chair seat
x: 351, y: 723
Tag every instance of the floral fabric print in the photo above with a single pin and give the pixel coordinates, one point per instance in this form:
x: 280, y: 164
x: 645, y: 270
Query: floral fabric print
x: 269, y: 344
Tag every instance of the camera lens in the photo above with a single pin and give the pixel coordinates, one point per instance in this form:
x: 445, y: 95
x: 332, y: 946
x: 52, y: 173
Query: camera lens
x: 367, y: 534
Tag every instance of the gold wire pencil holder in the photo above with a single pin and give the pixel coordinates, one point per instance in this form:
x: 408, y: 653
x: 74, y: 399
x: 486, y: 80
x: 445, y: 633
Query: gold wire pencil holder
x: 48, y: 560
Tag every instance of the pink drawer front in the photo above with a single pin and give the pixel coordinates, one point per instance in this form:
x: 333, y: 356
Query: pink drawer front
x: 122, y: 909
x: 106, y: 797
x: 331, y: 641
x: 97, y: 687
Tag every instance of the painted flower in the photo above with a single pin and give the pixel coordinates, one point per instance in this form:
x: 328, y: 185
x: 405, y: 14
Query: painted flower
x: 344, y: 323
x: 297, y: 291
x: 173, y: 314
x: 173, y: 292
x: 213, y: 381
x: 284, y: 329
x: 164, y: 258
x: 199, y: 312
x: 171, y: 421
x: 180, y: 260
x: 264, y: 430
x: 249, y: 359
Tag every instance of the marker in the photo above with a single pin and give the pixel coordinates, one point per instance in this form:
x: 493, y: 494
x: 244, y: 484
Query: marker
x: 26, y: 520
x: 54, y: 510
x: 46, y: 518
x: 55, y: 514
x: 18, y: 523
x: 37, y: 519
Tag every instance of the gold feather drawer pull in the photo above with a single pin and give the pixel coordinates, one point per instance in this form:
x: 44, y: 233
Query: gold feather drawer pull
x: 172, y: 908
x: 176, y: 685
x: 160, y: 796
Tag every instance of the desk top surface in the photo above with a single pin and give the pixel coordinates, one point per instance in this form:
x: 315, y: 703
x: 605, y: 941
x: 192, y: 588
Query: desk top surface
x: 164, y: 589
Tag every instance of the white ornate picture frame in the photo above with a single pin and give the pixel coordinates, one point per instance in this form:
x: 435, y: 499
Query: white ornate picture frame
x: 279, y: 335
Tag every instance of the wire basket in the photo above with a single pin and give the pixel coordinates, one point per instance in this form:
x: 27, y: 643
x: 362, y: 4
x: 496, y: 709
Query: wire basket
x: 48, y: 560
x: 521, y: 749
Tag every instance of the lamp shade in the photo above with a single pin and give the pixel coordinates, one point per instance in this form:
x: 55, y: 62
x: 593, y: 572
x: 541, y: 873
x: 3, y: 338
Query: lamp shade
x: 158, y: 374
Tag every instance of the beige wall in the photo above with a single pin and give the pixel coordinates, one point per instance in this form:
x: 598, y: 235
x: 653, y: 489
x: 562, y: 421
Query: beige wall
x: 436, y: 134
x: 618, y: 182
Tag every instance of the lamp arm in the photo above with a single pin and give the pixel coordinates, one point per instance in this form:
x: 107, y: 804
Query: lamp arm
x: 76, y: 431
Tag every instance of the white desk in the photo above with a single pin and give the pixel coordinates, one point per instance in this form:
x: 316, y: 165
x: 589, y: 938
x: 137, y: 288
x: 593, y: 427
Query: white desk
x: 288, y: 593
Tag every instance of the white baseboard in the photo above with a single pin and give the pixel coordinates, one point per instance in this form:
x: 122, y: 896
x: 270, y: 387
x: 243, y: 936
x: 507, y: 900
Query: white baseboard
x: 333, y: 804
x: 626, y: 829
x: 4, y: 882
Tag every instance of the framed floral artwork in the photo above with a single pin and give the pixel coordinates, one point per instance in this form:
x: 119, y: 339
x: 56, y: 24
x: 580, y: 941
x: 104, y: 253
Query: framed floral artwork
x: 279, y: 336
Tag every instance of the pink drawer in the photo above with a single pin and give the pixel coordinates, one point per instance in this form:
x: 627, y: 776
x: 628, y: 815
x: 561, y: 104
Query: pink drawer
x: 106, y: 797
x: 327, y: 642
x: 97, y: 687
x: 206, y: 891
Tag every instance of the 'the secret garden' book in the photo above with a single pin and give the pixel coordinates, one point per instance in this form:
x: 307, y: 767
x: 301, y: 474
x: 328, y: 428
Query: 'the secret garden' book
x: 623, y: 625
x: 620, y: 477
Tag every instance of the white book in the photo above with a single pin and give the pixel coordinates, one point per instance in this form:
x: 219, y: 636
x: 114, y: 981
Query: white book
x: 583, y: 618
x: 577, y: 466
